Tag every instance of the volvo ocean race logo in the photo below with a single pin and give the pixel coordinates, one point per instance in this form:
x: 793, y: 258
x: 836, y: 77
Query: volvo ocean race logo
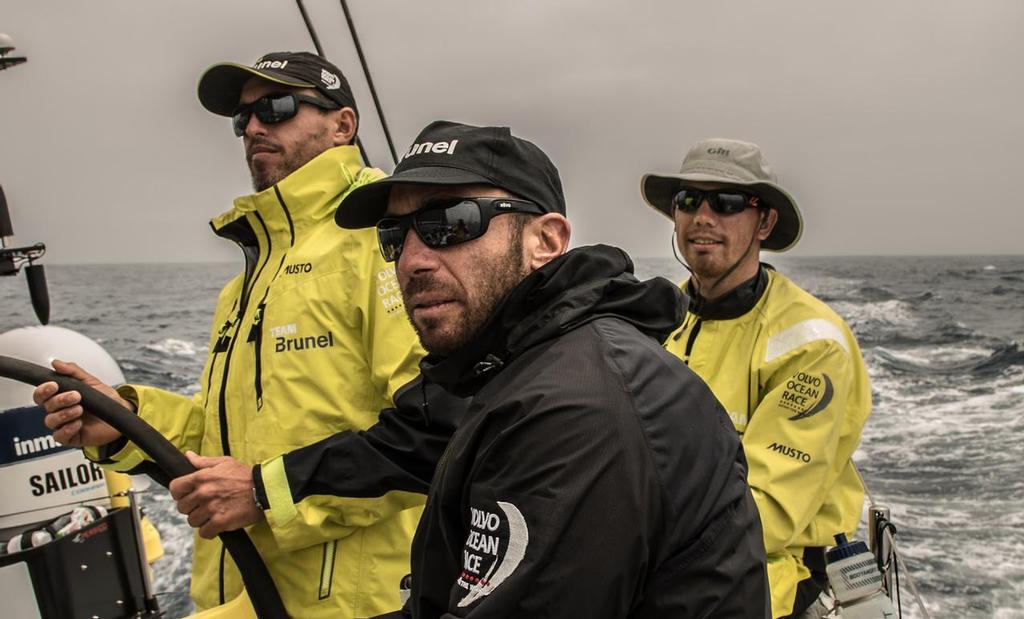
x: 806, y: 394
x: 494, y: 548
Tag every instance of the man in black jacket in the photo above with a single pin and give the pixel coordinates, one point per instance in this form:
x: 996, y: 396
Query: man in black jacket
x: 593, y: 474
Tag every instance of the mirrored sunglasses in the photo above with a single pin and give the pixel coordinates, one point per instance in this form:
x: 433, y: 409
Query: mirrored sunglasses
x: 446, y: 222
x: 722, y: 201
x: 274, y: 108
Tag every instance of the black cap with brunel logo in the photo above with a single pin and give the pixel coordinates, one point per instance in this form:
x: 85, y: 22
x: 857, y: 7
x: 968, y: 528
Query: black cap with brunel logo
x: 221, y: 85
x: 450, y: 153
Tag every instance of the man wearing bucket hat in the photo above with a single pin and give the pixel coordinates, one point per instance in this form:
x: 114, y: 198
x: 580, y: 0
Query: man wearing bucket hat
x: 592, y: 475
x: 309, y: 341
x: 785, y: 366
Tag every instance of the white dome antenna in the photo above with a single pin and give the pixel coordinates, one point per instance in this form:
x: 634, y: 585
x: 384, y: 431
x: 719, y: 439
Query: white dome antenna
x: 8, y: 60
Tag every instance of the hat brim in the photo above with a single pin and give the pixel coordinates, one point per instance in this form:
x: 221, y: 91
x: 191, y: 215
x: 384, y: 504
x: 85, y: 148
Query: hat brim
x: 220, y: 86
x: 365, y: 206
x: 658, y: 189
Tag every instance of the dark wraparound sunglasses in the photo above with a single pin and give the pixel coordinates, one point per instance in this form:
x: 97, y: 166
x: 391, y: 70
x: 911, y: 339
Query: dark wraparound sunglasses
x: 274, y: 108
x: 446, y: 222
x: 721, y: 201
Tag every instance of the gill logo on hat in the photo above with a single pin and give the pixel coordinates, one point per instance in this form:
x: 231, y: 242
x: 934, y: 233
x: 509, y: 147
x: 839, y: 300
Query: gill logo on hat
x: 718, y: 150
x: 271, y: 64
x: 440, y: 148
x: 330, y: 80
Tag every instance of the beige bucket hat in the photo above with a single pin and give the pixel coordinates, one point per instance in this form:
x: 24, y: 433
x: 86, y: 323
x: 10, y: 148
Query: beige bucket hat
x: 733, y: 162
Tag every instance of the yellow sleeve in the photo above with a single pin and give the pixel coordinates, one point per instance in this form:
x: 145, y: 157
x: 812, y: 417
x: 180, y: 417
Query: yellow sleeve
x: 792, y: 438
x: 178, y: 418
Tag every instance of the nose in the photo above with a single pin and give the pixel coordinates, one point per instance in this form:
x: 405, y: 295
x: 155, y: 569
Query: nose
x: 254, y: 127
x: 416, y: 257
x: 704, y: 215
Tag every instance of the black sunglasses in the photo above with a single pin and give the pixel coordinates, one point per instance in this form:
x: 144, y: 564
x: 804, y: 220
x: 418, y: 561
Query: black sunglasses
x: 721, y: 201
x: 446, y: 222
x: 274, y: 108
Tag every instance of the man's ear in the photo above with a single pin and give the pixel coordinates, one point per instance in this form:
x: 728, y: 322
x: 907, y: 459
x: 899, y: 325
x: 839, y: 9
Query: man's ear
x: 544, y: 239
x: 345, y: 126
x: 768, y: 220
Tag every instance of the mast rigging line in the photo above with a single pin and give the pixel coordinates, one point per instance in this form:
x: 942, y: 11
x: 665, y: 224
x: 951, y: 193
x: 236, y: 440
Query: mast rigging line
x: 320, y: 52
x: 366, y: 73
x: 369, y: 81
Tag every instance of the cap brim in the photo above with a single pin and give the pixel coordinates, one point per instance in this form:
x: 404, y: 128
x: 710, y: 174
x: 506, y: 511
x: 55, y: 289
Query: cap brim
x: 658, y: 189
x: 365, y: 206
x: 220, y: 86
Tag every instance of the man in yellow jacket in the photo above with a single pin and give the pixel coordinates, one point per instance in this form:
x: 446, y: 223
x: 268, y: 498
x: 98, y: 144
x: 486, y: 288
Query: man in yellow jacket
x: 309, y: 341
x: 786, y: 368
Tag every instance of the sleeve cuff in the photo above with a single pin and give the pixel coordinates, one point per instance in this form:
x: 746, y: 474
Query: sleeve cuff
x: 258, y: 489
x: 274, y: 482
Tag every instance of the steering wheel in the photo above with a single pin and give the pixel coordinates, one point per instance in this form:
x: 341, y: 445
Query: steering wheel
x: 260, y: 586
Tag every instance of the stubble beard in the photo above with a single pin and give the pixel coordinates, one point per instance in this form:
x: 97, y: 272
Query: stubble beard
x: 445, y: 337
x: 266, y: 175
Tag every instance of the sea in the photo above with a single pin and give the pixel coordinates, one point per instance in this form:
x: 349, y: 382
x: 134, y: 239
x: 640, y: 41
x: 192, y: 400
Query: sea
x: 943, y: 338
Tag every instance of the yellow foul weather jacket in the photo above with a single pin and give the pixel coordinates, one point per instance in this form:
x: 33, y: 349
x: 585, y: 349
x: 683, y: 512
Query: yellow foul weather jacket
x: 789, y: 372
x: 310, y: 340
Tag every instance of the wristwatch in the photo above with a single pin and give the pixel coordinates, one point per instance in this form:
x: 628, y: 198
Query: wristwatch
x: 256, y: 500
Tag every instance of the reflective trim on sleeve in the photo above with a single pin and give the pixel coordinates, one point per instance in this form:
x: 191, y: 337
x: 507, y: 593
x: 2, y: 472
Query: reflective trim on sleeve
x: 279, y: 495
x: 804, y: 333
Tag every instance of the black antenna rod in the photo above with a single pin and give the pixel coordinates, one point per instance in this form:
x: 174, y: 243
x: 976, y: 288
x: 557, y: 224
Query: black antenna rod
x: 320, y: 52
x: 369, y: 81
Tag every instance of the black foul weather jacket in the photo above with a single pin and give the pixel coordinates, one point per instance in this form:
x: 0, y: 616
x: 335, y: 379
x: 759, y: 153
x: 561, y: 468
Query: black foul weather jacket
x: 593, y: 475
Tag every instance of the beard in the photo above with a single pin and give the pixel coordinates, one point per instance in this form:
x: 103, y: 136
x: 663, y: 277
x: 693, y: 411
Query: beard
x: 495, y: 277
x: 266, y: 174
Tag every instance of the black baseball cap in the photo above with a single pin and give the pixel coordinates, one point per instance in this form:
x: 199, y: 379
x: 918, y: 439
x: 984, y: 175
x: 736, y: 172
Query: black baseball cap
x: 220, y: 86
x: 451, y: 153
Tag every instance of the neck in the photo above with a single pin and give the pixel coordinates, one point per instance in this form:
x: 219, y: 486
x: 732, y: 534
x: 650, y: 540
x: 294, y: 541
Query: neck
x: 712, y: 288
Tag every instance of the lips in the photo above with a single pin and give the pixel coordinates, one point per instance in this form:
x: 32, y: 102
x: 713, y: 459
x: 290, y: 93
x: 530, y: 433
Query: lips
x: 261, y: 148
x: 703, y: 241
x: 429, y: 304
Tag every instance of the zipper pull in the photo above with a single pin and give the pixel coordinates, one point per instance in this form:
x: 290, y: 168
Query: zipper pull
x: 257, y: 323
x: 490, y: 362
x: 223, y: 339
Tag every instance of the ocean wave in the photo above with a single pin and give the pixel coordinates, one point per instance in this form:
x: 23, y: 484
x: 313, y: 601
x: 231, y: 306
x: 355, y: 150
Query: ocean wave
x: 173, y: 347
x: 952, y: 360
x: 891, y: 313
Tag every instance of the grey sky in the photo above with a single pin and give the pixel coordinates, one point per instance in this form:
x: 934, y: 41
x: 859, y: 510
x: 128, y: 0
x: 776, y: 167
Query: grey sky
x: 897, y: 125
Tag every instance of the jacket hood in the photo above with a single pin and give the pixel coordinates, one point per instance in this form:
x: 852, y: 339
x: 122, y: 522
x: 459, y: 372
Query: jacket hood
x: 582, y: 285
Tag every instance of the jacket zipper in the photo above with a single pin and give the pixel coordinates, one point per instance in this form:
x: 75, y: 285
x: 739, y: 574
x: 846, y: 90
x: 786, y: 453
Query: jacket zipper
x: 327, y: 568
x: 256, y: 331
x: 252, y: 274
x: 256, y: 336
x: 690, y: 340
x: 220, y: 345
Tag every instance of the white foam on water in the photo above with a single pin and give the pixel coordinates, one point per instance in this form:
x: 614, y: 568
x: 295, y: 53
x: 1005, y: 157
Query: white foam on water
x: 939, y: 356
x: 894, y: 312
x: 989, y: 267
x: 173, y: 347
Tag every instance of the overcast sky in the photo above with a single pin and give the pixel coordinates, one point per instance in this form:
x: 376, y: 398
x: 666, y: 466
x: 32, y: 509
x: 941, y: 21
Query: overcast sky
x: 898, y: 126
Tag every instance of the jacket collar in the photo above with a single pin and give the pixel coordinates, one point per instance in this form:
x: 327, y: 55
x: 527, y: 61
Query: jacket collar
x: 305, y: 196
x: 734, y: 303
x: 583, y: 285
